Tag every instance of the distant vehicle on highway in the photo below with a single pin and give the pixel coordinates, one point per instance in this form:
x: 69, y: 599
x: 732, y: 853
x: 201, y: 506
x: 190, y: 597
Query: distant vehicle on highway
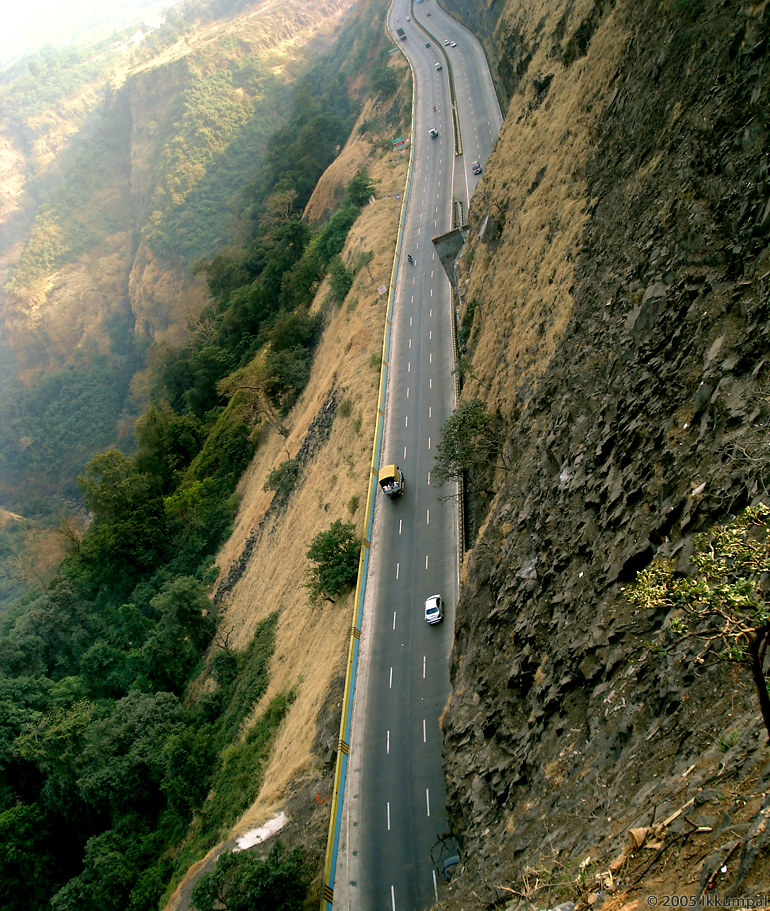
x: 438, y: 66
x: 476, y: 167
x: 434, y: 609
x: 392, y: 480
x: 433, y: 132
x: 408, y: 18
x: 446, y: 42
x: 427, y: 44
x: 401, y: 34
x: 453, y: 44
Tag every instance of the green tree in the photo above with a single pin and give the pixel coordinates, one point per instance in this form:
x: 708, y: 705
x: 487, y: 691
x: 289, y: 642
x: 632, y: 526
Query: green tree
x: 190, y: 758
x: 168, y: 442
x: 360, y: 189
x: 124, y: 761
x: 340, y: 279
x: 185, y: 627
x: 383, y: 81
x: 25, y: 858
x: 724, y: 602
x: 129, y: 532
x: 294, y: 330
x: 52, y: 635
x: 106, y: 670
x: 41, y: 728
x: 224, y: 456
x: 224, y: 274
x: 243, y: 882
x: 336, y: 554
x: 470, y: 444
x: 283, y: 479
x: 286, y: 374
x: 56, y: 739
x: 112, y: 868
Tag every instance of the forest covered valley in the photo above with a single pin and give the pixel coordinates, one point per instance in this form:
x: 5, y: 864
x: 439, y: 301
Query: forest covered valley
x: 174, y: 227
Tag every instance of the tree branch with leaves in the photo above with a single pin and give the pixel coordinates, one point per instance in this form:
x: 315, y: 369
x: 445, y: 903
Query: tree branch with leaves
x: 725, y: 602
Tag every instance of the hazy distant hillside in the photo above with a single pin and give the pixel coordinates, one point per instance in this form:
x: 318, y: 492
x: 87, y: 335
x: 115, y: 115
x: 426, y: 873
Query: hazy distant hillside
x: 27, y: 27
x: 116, y: 174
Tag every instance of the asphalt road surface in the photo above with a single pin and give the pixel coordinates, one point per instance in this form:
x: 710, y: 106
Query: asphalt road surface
x: 395, y: 799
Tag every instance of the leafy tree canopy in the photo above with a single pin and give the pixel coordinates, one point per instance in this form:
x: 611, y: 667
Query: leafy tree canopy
x: 243, y: 881
x: 104, y: 756
x: 470, y: 443
x: 725, y: 601
x: 336, y: 554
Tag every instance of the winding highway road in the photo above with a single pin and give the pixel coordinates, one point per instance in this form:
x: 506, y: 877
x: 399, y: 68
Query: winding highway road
x: 394, y: 804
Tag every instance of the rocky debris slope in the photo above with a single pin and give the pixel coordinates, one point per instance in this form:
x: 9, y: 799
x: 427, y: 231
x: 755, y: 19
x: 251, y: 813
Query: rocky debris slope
x: 568, y: 725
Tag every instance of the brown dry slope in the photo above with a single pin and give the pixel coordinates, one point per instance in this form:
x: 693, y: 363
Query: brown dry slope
x: 335, y: 420
x: 616, y: 293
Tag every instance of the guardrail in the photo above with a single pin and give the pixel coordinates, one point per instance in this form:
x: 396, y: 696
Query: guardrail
x: 455, y: 298
x: 340, y: 774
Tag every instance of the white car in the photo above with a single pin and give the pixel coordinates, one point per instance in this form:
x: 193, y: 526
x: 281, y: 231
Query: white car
x: 446, y: 42
x: 408, y: 18
x: 453, y: 44
x: 434, y: 609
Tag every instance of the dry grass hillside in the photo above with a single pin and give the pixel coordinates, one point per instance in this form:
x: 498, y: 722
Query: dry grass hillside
x: 520, y: 268
x: 272, y: 28
x: 312, y: 640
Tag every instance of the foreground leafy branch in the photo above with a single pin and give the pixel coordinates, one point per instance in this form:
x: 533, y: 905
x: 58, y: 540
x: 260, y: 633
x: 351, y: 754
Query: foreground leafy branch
x: 725, y: 602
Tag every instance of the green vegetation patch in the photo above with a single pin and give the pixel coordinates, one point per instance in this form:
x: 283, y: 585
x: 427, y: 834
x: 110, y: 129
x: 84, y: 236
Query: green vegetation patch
x: 92, y: 201
x: 243, y: 678
x: 235, y: 786
x: 223, y: 120
x: 244, y: 881
x: 114, y: 773
x: 724, y: 602
x: 334, y: 555
x: 51, y: 427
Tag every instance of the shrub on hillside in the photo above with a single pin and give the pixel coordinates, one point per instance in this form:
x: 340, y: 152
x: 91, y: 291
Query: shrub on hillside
x: 242, y: 881
x: 335, y: 553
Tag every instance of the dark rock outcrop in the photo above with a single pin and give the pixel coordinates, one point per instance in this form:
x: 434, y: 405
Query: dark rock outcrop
x: 567, y: 725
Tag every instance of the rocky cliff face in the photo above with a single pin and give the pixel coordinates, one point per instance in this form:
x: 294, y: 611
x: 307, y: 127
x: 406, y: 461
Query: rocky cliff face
x: 618, y: 281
